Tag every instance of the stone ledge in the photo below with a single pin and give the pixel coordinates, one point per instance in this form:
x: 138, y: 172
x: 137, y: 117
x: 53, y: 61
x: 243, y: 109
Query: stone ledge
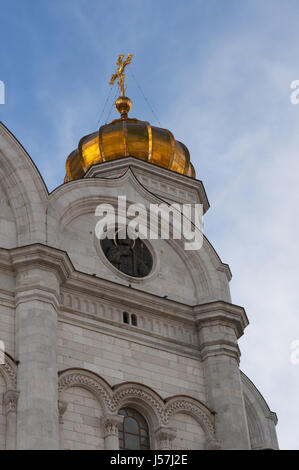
x: 42, y: 256
x: 221, y: 312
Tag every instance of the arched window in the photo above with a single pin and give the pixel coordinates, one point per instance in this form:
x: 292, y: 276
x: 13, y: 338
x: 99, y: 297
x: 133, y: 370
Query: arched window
x: 134, y: 320
x: 133, y: 433
x: 126, y: 318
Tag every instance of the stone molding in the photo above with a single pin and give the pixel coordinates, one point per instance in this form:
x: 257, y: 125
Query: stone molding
x: 169, y: 184
x: 132, y: 392
x: 217, y: 348
x: 112, y: 399
x: 111, y: 424
x: 165, y: 435
x: 42, y: 294
x: 169, y: 328
x: 49, y: 258
x: 44, y: 257
x: 9, y: 372
x: 221, y: 312
x: 24, y: 187
x: 194, y: 408
x: 10, y: 401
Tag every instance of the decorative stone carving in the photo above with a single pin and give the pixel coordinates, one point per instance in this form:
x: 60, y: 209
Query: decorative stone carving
x: 115, y: 398
x: 192, y: 407
x: 168, y: 329
x: 10, y: 400
x: 62, y: 406
x: 87, y: 380
x: 9, y: 371
x: 141, y: 392
x: 165, y: 436
x: 111, y: 424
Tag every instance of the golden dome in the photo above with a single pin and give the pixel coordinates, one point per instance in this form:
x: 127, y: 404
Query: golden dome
x: 129, y: 137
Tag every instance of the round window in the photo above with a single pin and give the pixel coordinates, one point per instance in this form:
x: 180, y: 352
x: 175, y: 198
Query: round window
x: 131, y: 257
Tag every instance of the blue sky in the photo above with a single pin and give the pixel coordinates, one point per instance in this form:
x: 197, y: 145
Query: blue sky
x: 217, y: 73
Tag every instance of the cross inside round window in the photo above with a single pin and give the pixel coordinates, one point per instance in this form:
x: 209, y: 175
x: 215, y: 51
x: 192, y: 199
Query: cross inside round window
x: 133, y: 433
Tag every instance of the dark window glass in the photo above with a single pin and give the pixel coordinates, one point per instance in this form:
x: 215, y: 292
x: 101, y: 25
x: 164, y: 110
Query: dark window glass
x: 134, y: 320
x: 125, y: 317
x: 133, y: 433
x: 131, y: 257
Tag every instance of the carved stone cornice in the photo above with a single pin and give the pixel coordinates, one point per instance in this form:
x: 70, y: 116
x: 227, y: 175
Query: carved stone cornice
x: 140, y: 168
x: 220, y: 348
x: 111, y: 424
x: 273, y: 417
x: 42, y: 294
x: 42, y: 256
x: 10, y: 400
x: 132, y: 298
x: 165, y: 435
x: 224, y: 313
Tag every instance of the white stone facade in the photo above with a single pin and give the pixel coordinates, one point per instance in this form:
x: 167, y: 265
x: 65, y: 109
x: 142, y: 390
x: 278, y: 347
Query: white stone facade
x: 71, y: 363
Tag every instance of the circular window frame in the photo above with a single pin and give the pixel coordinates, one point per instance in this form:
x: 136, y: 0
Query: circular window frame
x: 137, y: 280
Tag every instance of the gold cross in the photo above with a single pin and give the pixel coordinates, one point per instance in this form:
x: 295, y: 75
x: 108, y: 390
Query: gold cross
x: 120, y: 73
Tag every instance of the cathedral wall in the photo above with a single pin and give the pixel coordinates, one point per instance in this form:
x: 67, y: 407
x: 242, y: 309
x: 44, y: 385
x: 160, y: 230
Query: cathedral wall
x: 2, y: 414
x: 261, y: 421
x: 161, y: 354
x: 7, y: 304
x: 119, y: 360
x: 81, y: 428
x: 190, y: 435
x: 169, y: 269
x: 8, y: 232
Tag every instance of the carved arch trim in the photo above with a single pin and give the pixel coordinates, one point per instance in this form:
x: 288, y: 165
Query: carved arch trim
x: 130, y: 393
x: 194, y: 408
x: 8, y: 370
x: 145, y: 398
x: 88, y: 380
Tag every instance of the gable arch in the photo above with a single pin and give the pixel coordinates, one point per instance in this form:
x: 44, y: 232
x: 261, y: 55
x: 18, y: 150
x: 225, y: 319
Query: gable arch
x: 24, y: 187
x: 203, y: 271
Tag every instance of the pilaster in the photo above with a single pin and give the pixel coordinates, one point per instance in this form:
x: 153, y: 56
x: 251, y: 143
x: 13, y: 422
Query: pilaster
x: 40, y: 270
x: 220, y: 324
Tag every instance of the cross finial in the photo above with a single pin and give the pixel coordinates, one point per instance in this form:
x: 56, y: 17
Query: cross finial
x: 121, y: 65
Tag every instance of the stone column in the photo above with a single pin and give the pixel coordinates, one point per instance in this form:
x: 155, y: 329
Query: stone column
x: 110, y: 425
x: 62, y: 406
x: 10, y: 400
x: 39, y: 273
x: 220, y: 324
x: 164, y: 437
